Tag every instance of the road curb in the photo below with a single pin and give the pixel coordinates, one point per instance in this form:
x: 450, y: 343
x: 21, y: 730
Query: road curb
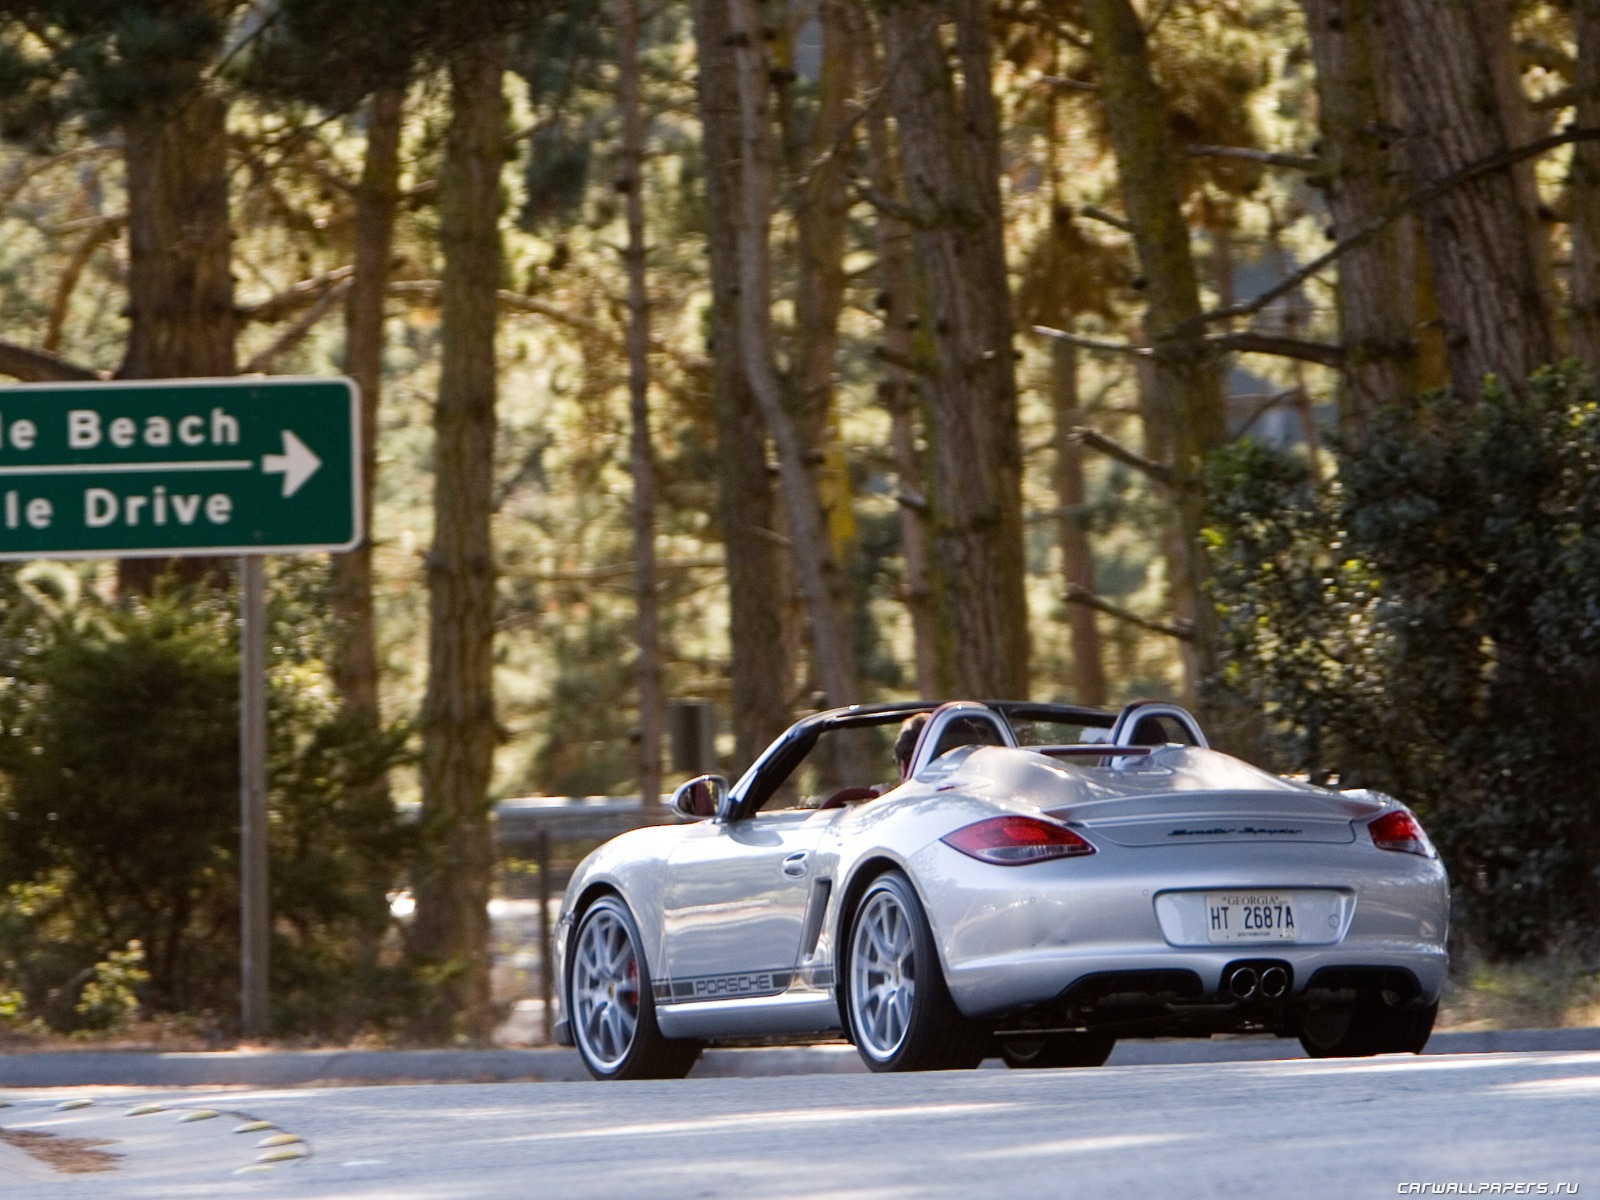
x: 300, y: 1068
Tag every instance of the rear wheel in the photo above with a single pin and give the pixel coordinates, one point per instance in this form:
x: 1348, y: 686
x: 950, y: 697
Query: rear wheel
x: 1367, y: 1027
x: 900, y: 1011
x: 1058, y: 1050
x: 612, y: 1008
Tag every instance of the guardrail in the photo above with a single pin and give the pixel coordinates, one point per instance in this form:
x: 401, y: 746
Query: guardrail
x: 531, y: 825
x: 519, y: 823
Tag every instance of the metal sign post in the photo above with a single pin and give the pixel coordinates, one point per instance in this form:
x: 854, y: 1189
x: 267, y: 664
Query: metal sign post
x: 254, y: 914
x: 176, y: 467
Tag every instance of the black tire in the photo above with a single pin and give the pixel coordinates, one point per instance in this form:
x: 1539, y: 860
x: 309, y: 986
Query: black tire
x: 1057, y: 1050
x: 610, y: 1003
x: 898, y: 1006
x: 1366, y: 1028
x: 1409, y: 1029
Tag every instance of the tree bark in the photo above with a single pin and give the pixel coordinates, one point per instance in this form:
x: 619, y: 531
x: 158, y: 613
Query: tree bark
x: 647, y: 618
x: 830, y: 640
x: 1186, y: 392
x: 355, y: 656
x: 758, y: 698
x: 1359, y: 174
x: 458, y: 713
x: 820, y: 220
x: 1077, y: 556
x: 1491, y: 302
x: 180, y: 276
x: 1584, y: 188
x: 1494, y: 23
x: 950, y: 146
x: 897, y: 303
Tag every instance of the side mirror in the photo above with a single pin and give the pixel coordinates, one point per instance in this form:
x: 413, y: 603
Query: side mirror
x: 705, y: 796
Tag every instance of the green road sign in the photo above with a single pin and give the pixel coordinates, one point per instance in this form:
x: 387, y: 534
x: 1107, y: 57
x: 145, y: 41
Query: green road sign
x: 174, y: 466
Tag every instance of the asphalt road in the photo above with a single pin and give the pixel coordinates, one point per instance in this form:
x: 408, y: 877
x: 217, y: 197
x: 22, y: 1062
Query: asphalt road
x: 1244, y: 1129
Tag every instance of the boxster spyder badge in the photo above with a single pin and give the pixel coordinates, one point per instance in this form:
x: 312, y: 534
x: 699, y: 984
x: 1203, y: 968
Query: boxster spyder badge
x: 939, y: 882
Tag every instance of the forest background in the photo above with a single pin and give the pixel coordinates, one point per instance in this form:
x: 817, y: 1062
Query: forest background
x: 789, y: 355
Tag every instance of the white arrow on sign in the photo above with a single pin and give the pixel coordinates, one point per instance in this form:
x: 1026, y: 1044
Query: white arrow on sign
x: 296, y: 464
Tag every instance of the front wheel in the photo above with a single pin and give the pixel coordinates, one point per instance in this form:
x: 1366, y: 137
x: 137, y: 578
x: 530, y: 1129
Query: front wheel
x: 1058, y: 1050
x: 900, y: 1011
x: 613, y: 1012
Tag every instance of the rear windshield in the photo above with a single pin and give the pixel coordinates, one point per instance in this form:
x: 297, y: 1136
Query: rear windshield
x: 1058, y: 731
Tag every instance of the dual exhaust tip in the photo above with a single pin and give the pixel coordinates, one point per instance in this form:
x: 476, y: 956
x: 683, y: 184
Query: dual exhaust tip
x: 1270, y: 983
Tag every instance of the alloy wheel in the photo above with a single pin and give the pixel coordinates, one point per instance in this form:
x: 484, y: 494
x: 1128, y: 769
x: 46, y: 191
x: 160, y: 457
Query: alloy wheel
x: 883, y: 976
x: 605, y: 988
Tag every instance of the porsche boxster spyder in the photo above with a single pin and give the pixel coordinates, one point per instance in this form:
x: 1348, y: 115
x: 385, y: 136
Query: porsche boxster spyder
x: 1023, y: 879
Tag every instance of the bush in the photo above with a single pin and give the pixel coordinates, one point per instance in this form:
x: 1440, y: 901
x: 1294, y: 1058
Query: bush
x: 120, y: 812
x: 1429, y: 624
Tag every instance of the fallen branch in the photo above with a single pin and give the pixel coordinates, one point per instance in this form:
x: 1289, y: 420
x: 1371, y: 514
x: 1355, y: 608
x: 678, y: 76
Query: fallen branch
x: 297, y: 332
x: 1148, y: 467
x: 40, y: 366
x: 29, y: 169
x: 1246, y: 341
x: 904, y: 361
x: 1265, y: 406
x: 1106, y: 218
x: 1484, y: 166
x: 99, y: 234
x: 1272, y: 158
x: 1182, y: 630
x: 887, y: 205
x: 1069, y: 84
x: 295, y: 297
x: 915, y: 501
x: 1091, y: 343
x: 516, y: 302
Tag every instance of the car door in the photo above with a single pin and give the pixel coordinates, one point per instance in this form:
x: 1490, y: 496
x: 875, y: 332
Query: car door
x: 737, y: 895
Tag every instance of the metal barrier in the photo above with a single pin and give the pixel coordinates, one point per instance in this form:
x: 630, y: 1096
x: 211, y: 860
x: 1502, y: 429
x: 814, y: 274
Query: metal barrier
x: 532, y: 825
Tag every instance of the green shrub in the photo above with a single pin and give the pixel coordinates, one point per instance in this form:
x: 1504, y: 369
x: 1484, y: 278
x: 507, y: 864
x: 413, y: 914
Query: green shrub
x: 119, y: 816
x: 1429, y: 623
x: 110, y: 997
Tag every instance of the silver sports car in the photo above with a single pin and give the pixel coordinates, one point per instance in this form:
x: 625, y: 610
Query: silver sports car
x: 943, y: 882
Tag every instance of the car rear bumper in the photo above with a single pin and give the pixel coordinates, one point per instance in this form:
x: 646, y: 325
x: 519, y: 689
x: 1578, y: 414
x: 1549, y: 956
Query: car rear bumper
x: 1007, y: 983
x: 1011, y: 937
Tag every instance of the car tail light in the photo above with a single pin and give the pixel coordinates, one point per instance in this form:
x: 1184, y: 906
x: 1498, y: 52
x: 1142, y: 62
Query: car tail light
x: 1399, y: 830
x: 1013, y: 841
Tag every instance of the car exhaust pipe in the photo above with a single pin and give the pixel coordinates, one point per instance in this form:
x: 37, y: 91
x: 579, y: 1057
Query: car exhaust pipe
x: 1274, y: 982
x: 1242, y: 983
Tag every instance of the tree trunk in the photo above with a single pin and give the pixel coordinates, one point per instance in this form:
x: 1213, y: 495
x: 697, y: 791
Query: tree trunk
x: 1584, y: 189
x: 1361, y: 177
x: 647, y: 618
x: 1187, y: 391
x: 1491, y: 302
x: 458, y: 715
x: 897, y: 303
x: 949, y: 143
x: 830, y: 638
x: 758, y: 698
x: 180, y: 269
x: 355, y: 656
x: 1077, y: 556
x: 1494, y: 23
x: 820, y: 220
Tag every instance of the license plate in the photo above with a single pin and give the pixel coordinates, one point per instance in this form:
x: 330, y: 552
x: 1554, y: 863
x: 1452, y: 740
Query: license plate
x: 1251, y: 917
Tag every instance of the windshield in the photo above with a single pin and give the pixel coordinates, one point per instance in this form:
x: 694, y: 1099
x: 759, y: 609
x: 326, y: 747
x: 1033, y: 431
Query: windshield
x: 840, y: 759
